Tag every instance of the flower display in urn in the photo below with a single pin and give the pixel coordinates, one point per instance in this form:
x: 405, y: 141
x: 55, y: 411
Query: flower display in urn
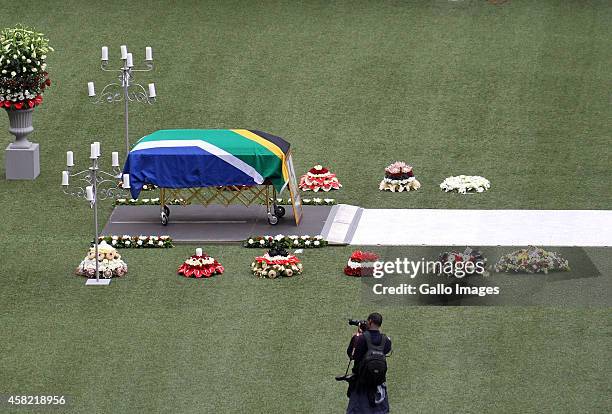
x: 23, y: 80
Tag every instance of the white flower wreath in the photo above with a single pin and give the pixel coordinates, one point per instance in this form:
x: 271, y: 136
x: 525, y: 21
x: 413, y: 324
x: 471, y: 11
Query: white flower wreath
x: 464, y: 184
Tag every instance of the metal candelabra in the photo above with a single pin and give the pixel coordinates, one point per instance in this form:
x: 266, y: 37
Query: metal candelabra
x: 93, y: 185
x: 127, y: 90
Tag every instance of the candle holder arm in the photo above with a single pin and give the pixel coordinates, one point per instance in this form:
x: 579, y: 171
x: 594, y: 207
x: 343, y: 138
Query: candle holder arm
x: 149, y: 67
x: 139, y: 94
x: 110, y: 94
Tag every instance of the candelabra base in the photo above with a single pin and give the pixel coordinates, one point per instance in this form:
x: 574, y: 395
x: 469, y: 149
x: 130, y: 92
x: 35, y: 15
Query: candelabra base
x: 22, y: 163
x: 100, y: 282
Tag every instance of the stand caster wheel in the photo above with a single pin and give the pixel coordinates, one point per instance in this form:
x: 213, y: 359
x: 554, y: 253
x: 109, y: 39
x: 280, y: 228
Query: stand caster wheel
x: 272, y: 219
x: 167, y: 211
x: 164, y: 218
x: 279, y: 211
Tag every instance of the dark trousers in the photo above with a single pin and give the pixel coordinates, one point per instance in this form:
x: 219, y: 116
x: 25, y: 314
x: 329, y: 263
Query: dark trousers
x: 364, y: 400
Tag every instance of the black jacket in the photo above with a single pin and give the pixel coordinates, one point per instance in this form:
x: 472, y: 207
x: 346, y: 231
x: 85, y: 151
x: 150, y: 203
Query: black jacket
x: 359, y: 346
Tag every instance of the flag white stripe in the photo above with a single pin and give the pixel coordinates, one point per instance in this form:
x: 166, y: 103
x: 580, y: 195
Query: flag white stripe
x: 216, y: 151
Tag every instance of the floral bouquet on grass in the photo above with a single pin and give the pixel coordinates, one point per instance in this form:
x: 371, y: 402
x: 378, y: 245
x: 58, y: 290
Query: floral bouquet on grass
x: 464, y: 184
x: 199, y: 266
x: 109, y: 263
x: 360, y: 264
x: 307, y: 201
x: 399, y: 177
x: 531, y: 260
x: 455, y: 263
x: 319, y: 178
x: 295, y: 242
x: 277, y: 262
x: 126, y: 241
x: 148, y: 202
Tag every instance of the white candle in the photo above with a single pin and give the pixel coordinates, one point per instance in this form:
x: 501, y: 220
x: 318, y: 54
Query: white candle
x: 152, y: 93
x: 97, y: 145
x: 104, y: 53
x: 198, y: 251
x: 148, y: 53
x: 93, y: 151
x: 90, y: 89
x: 115, y: 158
x: 89, y: 191
x: 124, y: 52
x: 69, y: 159
x: 130, y: 60
x: 126, y: 181
x: 64, y: 177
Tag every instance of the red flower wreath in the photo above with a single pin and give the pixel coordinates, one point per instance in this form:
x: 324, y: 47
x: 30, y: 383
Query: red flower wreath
x: 289, y: 260
x: 360, y: 264
x: 200, y: 266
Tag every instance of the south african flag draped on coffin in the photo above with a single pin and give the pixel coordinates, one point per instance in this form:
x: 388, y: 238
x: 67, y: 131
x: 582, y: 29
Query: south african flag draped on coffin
x: 190, y: 158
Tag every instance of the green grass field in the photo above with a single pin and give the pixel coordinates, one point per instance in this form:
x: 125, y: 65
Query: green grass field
x: 518, y: 93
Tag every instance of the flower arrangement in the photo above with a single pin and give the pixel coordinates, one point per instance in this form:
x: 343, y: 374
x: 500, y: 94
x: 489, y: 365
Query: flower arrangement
x: 23, y: 67
x: 531, y: 260
x: 109, y: 263
x: 464, y: 184
x: 276, y: 263
x: 295, y: 242
x: 453, y: 263
x: 319, y: 178
x: 148, y: 202
x: 399, y: 177
x: 308, y: 201
x: 200, y: 265
x: 360, y: 264
x: 126, y: 241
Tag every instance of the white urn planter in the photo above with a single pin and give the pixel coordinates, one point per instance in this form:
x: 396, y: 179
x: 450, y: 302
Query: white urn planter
x: 21, y: 157
x: 24, y: 77
x: 20, y: 125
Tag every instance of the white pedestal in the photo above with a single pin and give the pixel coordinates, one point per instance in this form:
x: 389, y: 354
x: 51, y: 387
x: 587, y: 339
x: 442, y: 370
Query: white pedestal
x: 22, y: 163
x: 94, y: 282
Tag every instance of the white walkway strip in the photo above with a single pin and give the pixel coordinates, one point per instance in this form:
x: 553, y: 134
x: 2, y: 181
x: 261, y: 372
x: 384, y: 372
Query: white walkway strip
x: 212, y: 149
x: 482, y: 227
x: 341, y: 229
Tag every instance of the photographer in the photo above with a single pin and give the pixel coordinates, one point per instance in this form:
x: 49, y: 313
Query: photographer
x: 368, y: 348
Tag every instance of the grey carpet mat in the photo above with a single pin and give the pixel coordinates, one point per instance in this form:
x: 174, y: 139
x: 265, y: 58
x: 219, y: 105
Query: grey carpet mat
x: 216, y: 223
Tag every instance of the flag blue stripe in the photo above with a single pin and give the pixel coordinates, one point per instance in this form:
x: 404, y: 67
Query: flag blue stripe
x: 181, y: 167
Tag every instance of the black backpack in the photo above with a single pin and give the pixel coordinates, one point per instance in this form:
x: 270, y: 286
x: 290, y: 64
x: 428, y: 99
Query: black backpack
x: 373, y: 366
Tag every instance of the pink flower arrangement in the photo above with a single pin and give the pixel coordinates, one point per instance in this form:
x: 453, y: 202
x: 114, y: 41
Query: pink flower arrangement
x: 319, y: 178
x: 399, y: 177
x: 399, y: 167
